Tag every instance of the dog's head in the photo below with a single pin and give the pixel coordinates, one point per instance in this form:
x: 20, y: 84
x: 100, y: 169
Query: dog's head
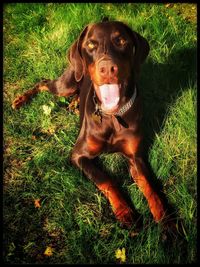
x: 111, y: 54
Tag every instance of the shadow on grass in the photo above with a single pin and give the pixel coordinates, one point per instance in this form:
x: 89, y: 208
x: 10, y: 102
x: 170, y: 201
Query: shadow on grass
x: 161, y: 84
x: 20, y: 230
x: 26, y: 232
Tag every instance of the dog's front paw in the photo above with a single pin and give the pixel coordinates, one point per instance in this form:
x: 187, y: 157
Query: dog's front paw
x: 125, y: 217
x: 19, y: 101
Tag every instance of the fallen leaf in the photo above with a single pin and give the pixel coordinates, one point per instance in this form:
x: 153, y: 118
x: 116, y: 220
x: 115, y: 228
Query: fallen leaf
x: 47, y: 109
x: 168, y: 5
x: 37, y: 203
x: 48, y: 251
x: 33, y: 137
x: 133, y: 234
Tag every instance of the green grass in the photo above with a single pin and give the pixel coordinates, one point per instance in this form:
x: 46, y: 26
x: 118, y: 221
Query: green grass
x: 75, y: 219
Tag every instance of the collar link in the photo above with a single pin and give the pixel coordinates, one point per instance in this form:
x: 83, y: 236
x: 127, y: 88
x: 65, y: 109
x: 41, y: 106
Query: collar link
x: 128, y: 105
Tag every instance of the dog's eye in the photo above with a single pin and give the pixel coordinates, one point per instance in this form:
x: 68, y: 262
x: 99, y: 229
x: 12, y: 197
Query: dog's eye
x: 91, y: 45
x: 120, y: 41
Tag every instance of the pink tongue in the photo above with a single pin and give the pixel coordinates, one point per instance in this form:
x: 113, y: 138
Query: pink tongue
x: 109, y: 95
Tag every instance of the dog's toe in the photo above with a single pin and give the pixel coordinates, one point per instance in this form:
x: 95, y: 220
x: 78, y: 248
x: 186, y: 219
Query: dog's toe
x: 125, y: 217
x: 18, y: 102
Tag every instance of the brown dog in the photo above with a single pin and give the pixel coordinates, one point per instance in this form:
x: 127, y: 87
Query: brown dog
x: 104, y: 71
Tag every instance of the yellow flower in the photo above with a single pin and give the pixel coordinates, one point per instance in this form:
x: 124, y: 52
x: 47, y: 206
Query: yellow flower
x: 48, y: 252
x: 120, y: 254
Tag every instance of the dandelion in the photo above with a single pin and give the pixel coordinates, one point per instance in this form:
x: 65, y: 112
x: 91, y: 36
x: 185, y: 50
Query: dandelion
x: 121, y: 254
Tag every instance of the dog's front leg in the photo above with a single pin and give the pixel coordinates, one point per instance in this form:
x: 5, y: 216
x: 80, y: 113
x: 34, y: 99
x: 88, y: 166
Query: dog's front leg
x: 83, y: 157
x: 140, y: 175
x: 65, y: 85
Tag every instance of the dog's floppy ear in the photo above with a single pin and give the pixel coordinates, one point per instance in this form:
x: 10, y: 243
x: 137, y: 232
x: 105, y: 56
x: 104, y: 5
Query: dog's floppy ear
x: 142, y: 48
x: 105, y: 19
x: 75, y: 57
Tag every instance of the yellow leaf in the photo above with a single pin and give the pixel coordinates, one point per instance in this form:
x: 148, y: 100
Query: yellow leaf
x: 168, y: 5
x: 33, y: 137
x: 121, y: 254
x: 37, y: 203
x: 46, y: 109
x: 48, y: 252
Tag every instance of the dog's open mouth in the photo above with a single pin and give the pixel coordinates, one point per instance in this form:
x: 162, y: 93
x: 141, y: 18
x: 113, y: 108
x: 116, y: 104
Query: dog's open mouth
x: 109, y: 96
